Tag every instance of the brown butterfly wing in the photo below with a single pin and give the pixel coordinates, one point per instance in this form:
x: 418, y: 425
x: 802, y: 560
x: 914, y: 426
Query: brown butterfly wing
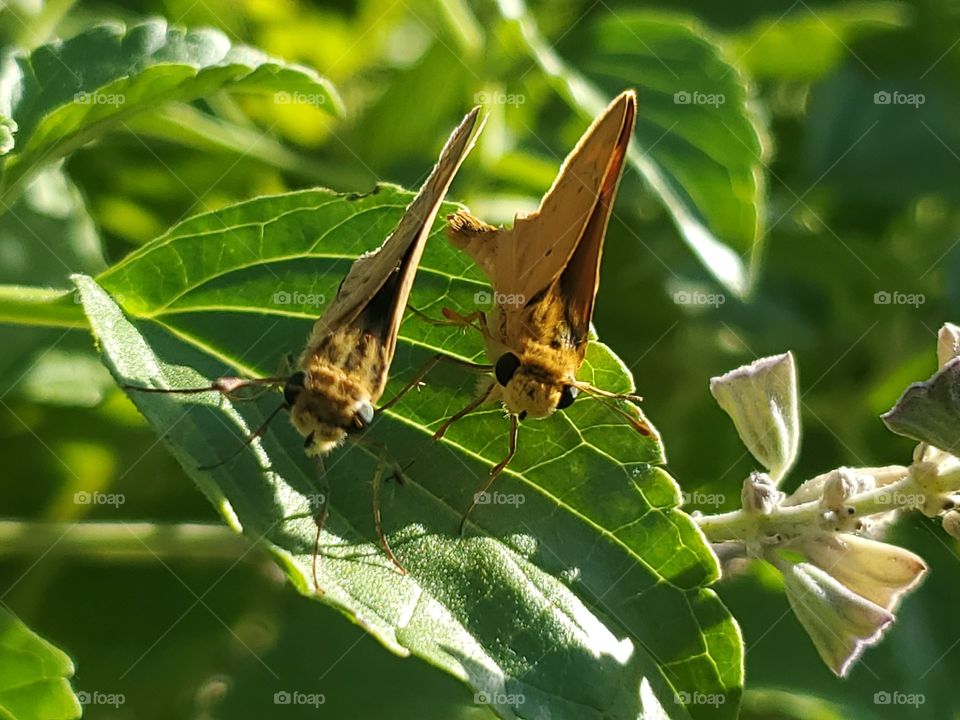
x: 552, y: 256
x: 370, y: 302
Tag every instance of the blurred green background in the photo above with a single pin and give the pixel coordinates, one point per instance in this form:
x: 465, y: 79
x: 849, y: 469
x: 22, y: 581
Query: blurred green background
x: 859, y: 202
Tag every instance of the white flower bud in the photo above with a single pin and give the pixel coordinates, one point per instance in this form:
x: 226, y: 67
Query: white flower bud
x: 951, y: 523
x: 948, y: 343
x: 877, y: 571
x: 840, y: 623
x: 759, y: 494
x: 761, y: 399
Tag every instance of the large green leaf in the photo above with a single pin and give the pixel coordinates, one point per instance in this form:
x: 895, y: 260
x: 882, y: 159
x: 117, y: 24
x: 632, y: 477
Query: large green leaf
x: 34, y: 683
x: 64, y: 94
x: 700, y: 141
x: 585, y: 597
x: 805, y: 44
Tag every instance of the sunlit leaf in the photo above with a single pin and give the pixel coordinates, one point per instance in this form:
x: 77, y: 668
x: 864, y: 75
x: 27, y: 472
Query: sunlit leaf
x: 700, y: 140
x: 35, y: 682
x: 583, y: 568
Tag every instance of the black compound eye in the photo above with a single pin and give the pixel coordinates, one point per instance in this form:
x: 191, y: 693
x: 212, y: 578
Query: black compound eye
x: 506, y: 367
x: 567, y: 395
x: 293, y: 387
x: 364, y: 415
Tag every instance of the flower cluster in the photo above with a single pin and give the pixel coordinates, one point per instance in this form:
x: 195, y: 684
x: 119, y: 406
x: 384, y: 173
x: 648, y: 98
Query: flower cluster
x: 842, y: 580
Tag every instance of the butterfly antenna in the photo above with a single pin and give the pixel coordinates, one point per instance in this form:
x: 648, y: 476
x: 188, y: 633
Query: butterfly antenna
x: 250, y: 438
x: 607, y: 399
x: 319, y: 520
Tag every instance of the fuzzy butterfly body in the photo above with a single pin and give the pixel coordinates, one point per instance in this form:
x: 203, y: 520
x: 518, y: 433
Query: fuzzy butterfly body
x: 545, y: 271
x: 344, y: 367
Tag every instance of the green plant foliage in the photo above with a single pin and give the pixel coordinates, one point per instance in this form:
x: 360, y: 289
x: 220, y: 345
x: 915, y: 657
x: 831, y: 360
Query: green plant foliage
x: 62, y: 95
x: 700, y: 139
x: 35, y: 682
x: 523, y: 592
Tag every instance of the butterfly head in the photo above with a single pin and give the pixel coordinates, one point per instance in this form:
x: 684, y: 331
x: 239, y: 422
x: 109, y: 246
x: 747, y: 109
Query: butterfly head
x: 325, y: 411
x: 531, y: 389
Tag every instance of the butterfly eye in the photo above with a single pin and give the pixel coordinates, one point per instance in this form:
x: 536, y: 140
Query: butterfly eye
x: 506, y: 367
x: 293, y: 387
x: 363, y: 415
x: 567, y: 395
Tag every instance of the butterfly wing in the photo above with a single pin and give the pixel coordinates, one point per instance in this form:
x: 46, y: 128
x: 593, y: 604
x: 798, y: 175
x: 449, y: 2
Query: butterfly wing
x: 359, y: 329
x: 551, y: 257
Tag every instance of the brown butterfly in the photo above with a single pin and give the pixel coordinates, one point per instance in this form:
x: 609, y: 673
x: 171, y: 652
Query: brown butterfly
x: 343, y: 370
x: 545, y: 271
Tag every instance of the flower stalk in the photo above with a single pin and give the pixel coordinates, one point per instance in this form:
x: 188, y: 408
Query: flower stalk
x: 843, y: 582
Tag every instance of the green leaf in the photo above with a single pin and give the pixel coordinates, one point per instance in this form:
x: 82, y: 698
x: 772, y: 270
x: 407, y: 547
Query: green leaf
x: 34, y: 684
x: 584, y: 594
x: 806, y: 44
x: 65, y: 94
x: 929, y: 411
x: 44, y: 237
x: 701, y: 143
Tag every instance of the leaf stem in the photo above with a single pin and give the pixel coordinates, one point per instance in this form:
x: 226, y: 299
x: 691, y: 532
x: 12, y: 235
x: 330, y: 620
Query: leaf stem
x: 906, y: 493
x: 46, y: 307
x: 121, y: 540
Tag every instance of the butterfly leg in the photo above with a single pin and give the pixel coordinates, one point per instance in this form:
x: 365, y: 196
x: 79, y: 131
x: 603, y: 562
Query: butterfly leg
x: 469, y: 408
x: 319, y: 519
x: 477, y: 319
x: 417, y: 380
x: 382, y: 461
x: 229, y: 387
x: 495, y: 471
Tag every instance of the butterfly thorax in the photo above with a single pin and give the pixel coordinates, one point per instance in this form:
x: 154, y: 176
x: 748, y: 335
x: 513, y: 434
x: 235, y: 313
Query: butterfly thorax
x: 550, y: 353
x: 340, y: 385
x: 535, y: 388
